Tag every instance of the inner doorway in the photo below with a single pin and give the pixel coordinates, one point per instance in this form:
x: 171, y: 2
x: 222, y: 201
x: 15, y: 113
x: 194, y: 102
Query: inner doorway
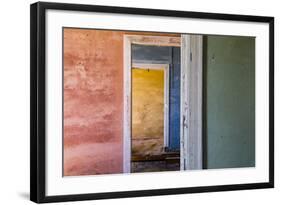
x: 155, y: 138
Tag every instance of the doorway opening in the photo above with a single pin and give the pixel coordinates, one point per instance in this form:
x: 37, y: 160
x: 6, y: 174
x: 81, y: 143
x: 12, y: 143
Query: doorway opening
x: 162, y: 112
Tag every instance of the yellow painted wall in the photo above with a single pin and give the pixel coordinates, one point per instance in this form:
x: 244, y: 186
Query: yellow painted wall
x: 147, y: 111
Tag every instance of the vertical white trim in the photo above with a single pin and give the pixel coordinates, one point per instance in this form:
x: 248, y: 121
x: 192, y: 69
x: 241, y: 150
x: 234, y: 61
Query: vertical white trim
x: 191, y: 102
x: 166, y: 105
x: 127, y: 106
x: 185, y: 68
x: 195, y: 141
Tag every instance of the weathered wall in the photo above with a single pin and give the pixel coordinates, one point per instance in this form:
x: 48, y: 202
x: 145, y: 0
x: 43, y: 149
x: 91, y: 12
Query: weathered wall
x: 93, y: 102
x: 152, y: 54
x: 147, y: 111
x: 229, y: 101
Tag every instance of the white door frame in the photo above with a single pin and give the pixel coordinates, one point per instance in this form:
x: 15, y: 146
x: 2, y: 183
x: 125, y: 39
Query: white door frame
x: 191, y: 96
x: 128, y: 41
x: 191, y: 102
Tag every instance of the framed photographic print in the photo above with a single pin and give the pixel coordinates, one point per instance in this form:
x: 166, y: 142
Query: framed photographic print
x: 129, y: 102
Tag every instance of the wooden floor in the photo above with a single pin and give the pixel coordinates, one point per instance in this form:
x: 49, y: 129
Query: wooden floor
x: 156, y: 163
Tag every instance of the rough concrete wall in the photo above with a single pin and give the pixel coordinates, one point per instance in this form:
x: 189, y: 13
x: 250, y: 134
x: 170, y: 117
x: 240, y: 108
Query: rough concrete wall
x: 230, y: 101
x: 93, y: 102
x: 147, y: 111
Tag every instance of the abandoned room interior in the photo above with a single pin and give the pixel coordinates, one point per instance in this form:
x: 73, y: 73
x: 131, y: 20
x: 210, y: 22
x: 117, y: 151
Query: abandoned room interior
x: 148, y: 102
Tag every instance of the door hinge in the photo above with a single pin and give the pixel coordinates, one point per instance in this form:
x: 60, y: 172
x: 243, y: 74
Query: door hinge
x: 190, y: 56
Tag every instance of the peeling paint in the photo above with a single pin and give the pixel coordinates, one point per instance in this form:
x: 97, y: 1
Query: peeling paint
x: 93, y: 84
x: 93, y: 101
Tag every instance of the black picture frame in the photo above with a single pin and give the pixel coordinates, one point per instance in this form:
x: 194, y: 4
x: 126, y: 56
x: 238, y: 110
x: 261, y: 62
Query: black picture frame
x: 38, y: 101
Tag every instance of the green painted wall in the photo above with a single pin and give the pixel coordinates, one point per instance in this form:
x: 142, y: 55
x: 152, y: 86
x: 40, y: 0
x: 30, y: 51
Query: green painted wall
x: 229, y: 67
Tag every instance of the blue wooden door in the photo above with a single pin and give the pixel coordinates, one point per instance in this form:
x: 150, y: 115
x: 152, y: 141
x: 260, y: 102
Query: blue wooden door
x: 174, y: 101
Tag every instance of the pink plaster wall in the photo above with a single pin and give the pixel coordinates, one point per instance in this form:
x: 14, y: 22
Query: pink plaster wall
x: 93, y: 102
